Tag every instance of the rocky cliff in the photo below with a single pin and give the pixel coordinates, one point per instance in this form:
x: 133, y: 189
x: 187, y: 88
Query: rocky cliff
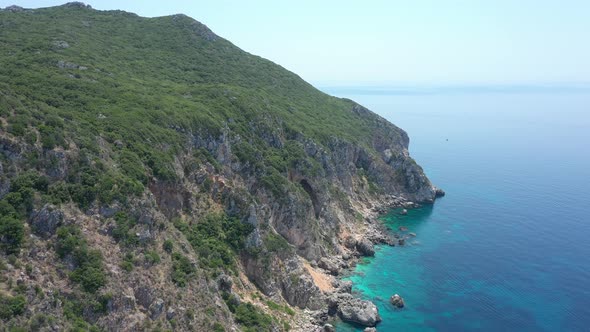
x: 154, y: 176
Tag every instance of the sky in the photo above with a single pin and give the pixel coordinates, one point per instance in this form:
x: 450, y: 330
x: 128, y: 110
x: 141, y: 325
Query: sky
x: 351, y: 42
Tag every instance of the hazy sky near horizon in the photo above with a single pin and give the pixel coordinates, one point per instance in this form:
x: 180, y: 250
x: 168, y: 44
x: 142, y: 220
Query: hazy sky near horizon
x: 393, y: 41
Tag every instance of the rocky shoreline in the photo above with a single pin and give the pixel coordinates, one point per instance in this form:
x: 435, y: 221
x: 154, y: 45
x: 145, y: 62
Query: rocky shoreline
x: 341, y: 304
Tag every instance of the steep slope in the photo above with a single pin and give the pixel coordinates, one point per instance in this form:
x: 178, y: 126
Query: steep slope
x: 153, y: 175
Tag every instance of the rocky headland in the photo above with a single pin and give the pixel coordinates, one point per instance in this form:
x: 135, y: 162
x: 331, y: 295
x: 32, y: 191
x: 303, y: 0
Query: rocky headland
x: 155, y: 176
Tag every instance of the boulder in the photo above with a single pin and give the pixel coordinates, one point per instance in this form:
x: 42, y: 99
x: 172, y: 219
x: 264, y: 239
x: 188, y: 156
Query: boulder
x: 329, y: 265
x: 224, y: 283
x: 156, y: 308
x: 170, y: 314
x: 328, y: 328
x: 362, y: 312
x: 61, y: 44
x: 350, y: 242
x: 143, y: 296
x: 345, y: 287
x: 397, y: 301
x: 46, y: 221
x: 439, y: 192
x: 108, y: 211
x: 365, y: 247
x: 121, y: 302
x: 404, y: 212
x: 370, y: 329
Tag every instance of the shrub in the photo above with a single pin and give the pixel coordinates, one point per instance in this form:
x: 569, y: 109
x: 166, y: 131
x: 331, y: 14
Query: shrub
x: 276, y: 243
x: 122, y: 231
x: 168, y: 246
x: 12, y: 233
x: 59, y: 193
x: 216, y: 238
x: 152, y: 257
x: 11, y: 306
x: 88, y: 271
x: 182, y: 269
x: 252, y: 319
x: 128, y: 263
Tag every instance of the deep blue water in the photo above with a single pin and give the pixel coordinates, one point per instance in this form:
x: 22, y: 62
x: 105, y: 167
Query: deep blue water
x: 508, y: 248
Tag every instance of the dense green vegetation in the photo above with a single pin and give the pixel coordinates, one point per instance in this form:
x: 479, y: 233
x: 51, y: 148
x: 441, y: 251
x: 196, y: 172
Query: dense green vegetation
x: 16, y: 205
x: 78, y: 76
x: 122, y: 231
x: 182, y: 269
x: 11, y: 306
x: 250, y: 318
x: 77, y: 306
x: 88, y: 267
x: 216, y: 238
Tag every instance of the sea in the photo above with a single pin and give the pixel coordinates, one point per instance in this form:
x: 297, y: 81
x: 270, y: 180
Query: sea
x: 508, y: 247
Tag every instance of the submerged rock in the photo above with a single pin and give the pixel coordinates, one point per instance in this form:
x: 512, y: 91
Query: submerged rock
x: 403, y: 212
x: 397, y: 301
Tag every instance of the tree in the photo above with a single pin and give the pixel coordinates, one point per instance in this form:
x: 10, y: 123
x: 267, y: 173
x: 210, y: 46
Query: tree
x: 12, y: 234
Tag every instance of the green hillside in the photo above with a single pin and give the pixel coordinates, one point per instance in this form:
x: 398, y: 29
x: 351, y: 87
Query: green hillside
x: 160, y: 169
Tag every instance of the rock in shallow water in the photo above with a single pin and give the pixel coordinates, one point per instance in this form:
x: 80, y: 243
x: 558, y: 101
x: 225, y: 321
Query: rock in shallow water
x: 439, y: 192
x: 328, y: 328
x: 397, y: 301
x: 365, y: 247
x: 351, y: 309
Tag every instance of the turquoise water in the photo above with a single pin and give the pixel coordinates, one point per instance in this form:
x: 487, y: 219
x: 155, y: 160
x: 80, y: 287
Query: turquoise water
x: 508, y: 248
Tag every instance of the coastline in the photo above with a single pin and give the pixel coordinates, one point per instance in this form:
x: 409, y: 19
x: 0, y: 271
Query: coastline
x: 332, y: 270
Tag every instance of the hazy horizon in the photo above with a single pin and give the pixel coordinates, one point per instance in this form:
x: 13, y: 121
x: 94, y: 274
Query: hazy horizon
x: 393, y: 42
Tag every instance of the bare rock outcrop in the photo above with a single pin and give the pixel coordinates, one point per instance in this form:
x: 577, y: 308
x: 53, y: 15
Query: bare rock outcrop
x: 355, y: 310
x: 46, y: 221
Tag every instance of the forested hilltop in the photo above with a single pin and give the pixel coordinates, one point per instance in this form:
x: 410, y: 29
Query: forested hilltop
x: 153, y: 176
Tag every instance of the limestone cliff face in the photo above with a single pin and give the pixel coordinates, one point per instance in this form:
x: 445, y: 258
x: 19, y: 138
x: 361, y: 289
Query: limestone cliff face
x: 318, y: 210
x: 314, y: 217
